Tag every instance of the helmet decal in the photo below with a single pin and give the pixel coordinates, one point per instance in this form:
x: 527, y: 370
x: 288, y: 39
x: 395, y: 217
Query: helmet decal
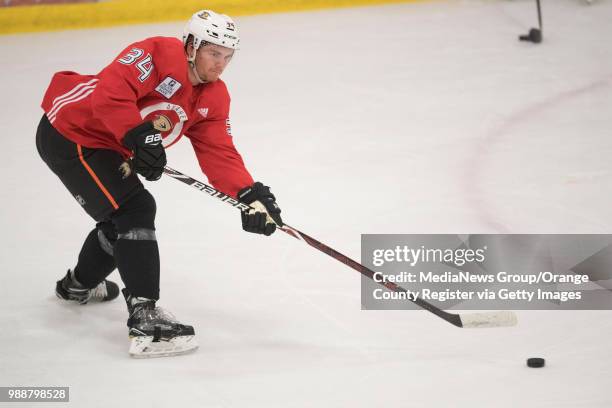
x: 206, y: 26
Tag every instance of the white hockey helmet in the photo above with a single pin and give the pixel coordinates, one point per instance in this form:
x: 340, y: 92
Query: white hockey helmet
x: 210, y: 27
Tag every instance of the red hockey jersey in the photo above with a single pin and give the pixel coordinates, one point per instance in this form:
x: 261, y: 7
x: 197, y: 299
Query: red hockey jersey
x: 148, y: 80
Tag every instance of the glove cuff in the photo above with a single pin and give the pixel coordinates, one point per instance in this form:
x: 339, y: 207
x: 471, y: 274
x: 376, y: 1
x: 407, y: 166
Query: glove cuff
x: 253, y: 193
x: 134, y: 137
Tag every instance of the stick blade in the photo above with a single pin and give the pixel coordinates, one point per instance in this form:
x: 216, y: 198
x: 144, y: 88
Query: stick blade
x: 488, y: 319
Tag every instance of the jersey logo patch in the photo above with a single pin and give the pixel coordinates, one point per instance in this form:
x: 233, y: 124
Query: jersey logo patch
x: 228, y: 127
x: 162, y: 123
x: 168, y: 87
x: 203, y: 112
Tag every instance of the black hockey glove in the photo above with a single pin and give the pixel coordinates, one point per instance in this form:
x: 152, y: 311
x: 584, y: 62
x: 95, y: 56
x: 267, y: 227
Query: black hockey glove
x: 149, y: 153
x: 265, y: 216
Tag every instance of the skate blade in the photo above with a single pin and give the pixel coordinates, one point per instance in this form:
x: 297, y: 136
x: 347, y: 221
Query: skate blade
x: 145, y: 347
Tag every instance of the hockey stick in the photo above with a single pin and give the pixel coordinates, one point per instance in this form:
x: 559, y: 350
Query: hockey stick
x: 469, y: 320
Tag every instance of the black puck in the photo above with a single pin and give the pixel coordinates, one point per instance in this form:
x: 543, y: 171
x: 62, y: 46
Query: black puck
x: 535, y: 362
x: 534, y: 36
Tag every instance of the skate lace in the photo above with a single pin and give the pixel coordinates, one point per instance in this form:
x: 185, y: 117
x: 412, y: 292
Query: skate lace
x: 148, y: 318
x: 99, y: 292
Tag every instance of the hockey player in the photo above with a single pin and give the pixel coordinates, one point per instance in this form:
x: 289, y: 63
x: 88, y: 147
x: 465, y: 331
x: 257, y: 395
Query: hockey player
x: 98, y: 131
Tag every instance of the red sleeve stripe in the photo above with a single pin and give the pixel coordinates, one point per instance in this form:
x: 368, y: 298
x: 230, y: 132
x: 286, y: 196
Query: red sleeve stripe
x: 73, y: 90
x: 96, y: 179
x: 81, y: 94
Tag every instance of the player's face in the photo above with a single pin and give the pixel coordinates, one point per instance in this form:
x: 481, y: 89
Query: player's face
x: 211, y: 61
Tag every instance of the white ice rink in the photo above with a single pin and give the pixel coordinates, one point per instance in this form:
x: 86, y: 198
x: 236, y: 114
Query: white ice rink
x: 415, y: 118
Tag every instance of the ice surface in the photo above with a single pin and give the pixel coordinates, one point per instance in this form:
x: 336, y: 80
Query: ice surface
x: 426, y: 118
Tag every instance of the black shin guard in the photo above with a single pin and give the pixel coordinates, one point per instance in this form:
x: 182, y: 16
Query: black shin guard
x: 95, y: 262
x: 136, y: 251
x: 138, y: 263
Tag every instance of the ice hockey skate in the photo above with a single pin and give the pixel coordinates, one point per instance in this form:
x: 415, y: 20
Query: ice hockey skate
x: 154, y: 332
x: 68, y: 288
